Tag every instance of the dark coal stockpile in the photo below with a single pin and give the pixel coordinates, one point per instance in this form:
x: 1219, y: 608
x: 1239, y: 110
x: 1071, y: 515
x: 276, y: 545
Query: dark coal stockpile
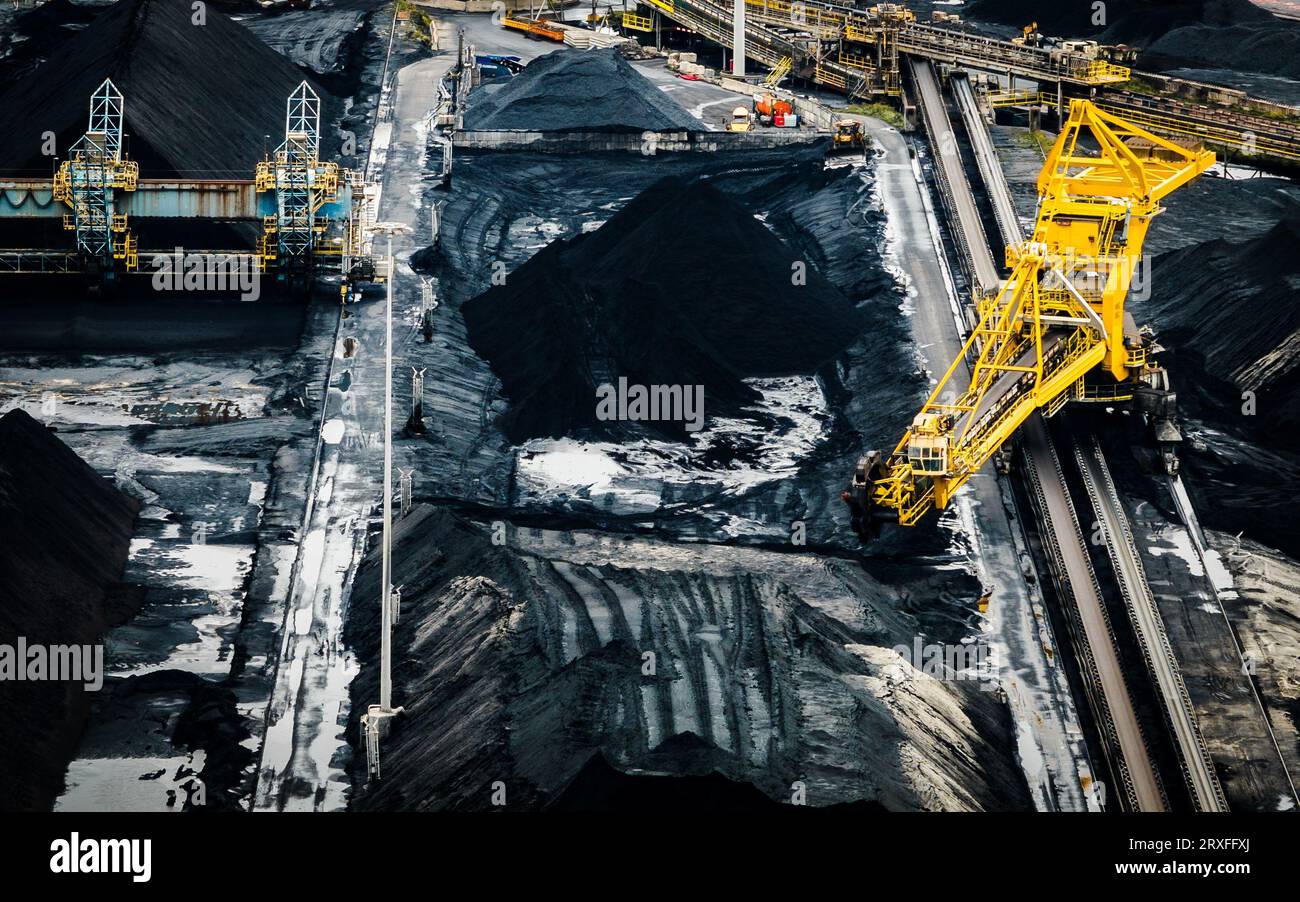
x: 1139, y: 20
x: 199, y: 100
x: 1228, y: 314
x: 28, y: 36
x: 683, y: 286
x: 521, y: 669
x: 1233, y: 34
x: 1231, y: 310
x: 64, y: 537
x: 594, y: 91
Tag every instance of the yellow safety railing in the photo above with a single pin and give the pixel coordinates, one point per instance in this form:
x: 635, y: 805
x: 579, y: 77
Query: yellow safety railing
x: 799, y: 13
x: 779, y: 71
x: 861, y: 35
x: 856, y: 61
x: 1235, y: 138
x: 264, y: 176
x: 1100, y: 72
x: 637, y: 23
x: 1021, y: 98
x: 834, y: 79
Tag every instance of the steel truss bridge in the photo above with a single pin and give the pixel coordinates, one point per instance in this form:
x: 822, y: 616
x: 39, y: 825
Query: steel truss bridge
x: 311, y: 213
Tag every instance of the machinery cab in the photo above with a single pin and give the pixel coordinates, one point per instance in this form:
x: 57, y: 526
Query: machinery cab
x: 740, y: 120
x: 927, y: 445
x: 848, y: 136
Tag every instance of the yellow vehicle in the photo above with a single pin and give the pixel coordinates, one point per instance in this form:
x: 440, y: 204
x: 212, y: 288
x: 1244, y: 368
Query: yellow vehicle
x: 741, y: 120
x: 848, y: 137
x: 1029, y: 36
x: 1054, y: 332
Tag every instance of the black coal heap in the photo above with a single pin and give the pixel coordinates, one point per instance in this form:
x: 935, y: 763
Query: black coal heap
x: 200, y: 99
x: 683, y: 286
x: 1231, y: 311
x: 64, y: 537
x: 589, y: 91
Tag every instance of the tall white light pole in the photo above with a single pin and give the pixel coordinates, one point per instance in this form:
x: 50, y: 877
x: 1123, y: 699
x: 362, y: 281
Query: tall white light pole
x: 375, y: 720
x: 386, y: 599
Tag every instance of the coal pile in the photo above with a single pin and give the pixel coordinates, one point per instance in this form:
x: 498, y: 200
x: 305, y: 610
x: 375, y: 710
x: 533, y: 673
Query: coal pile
x: 523, y: 663
x: 1231, y: 311
x: 200, y: 99
x: 1126, y: 21
x: 1232, y: 34
x: 28, y: 36
x: 64, y: 537
x: 683, y: 286
x: 589, y: 91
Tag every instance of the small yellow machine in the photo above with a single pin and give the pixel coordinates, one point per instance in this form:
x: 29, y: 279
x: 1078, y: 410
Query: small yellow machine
x: 848, y: 137
x: 741, y: 120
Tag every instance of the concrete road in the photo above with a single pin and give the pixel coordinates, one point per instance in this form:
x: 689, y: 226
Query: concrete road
x: 1051, y: 749
x: 707, y: 102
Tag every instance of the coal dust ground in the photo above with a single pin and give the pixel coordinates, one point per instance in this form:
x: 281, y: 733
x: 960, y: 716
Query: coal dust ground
x: 205, y: 411
x: 736, y: 479
x: 712, y: 544
x: 652, y: 526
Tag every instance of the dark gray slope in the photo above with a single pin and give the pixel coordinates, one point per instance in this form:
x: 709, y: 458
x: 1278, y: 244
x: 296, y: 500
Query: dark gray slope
x: 1232, y: 34
x: 683, y: 286
x: 571, y: 90
x: 200, y: 99
x: 64, y: 537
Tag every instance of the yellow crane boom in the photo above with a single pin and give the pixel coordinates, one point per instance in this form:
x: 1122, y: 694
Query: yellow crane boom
x: 1058, y: 318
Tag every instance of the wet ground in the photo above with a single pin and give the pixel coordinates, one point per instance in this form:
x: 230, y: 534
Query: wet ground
x: 270, y: 454
x: 502, y: 208
x: 210, y: 412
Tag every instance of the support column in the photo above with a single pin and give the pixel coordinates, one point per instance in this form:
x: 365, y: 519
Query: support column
x: 738, y: 41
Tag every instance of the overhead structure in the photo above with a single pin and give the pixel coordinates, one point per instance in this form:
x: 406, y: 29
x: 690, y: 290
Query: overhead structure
x: 856, y: 50
x: 89, y: 180
x: 738, y: 39
x: 1055, y: 331
x: 309, y: 211
x: 301, y: 183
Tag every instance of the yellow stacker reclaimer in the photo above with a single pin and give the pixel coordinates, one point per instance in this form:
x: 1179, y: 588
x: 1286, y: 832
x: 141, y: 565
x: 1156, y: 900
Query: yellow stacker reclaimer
x: 1056, y: 329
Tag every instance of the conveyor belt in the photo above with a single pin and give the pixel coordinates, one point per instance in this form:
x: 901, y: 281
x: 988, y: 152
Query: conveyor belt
x: 1207, y: 794
x: 986, y: 158
x: 952, y: 179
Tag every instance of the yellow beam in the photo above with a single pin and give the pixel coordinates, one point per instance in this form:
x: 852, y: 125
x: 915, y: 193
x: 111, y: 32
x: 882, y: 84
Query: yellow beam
x: 1042, y: 332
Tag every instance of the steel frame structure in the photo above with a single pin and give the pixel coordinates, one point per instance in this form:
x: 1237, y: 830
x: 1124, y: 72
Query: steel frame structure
x: 89, y: 179
x: 1058, y: 318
